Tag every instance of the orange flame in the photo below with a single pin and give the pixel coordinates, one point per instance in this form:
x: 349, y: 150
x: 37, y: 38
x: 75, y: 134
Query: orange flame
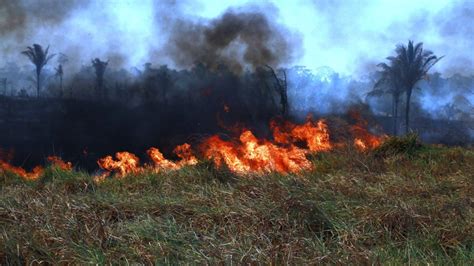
x: 314, y: 134
x: 247, y: 154
x: 58, y: 162
x: 37, y: 170
x: 126, y: 163
x: 33, y: 175
x: 251, y: 155
x: 363, y: 139
x: 182, y: 151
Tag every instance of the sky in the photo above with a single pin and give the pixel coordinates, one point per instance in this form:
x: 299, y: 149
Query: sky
x: 349, y: 36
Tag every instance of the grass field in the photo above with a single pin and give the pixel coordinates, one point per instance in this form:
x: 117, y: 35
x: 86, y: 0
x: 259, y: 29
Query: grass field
x: 399, y: 204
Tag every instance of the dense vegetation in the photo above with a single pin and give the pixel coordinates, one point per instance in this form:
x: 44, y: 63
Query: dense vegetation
x: 401, y: 203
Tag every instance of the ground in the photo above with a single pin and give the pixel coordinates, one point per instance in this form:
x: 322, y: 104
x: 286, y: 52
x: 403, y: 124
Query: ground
x: 394, y: 206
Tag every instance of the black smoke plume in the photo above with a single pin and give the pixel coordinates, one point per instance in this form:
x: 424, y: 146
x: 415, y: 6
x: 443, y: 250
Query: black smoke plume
x: 237, y: 39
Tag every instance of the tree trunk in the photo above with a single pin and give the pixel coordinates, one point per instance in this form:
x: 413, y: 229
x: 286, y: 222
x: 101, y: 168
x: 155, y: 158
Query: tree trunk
x: 394, y: 113
x: 407, y: 112
x: 61, y: 86
x: 38, y: 83
x: 396, y: 116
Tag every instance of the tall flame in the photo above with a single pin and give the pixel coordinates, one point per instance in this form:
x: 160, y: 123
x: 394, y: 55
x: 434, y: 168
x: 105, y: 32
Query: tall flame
x: 251, y: 155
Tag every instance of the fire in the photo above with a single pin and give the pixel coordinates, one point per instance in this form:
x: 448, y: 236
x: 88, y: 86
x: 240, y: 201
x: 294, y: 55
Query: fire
x: 182, y: 151
x: 314, y: 134
x: 251, y: 155
x: 126, y: 163
x: 246, y: 154
x: 363, y: 139
x: 37, y: 171
x: 33, y: 175
x: 58, y: 162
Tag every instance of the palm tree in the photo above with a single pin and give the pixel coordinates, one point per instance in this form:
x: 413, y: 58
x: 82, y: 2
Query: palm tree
x: 389, y: 83
x: 39, y: 58
x: 414, y: 63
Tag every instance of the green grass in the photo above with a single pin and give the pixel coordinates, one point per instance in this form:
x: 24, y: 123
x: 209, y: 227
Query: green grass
x: 413, y: 207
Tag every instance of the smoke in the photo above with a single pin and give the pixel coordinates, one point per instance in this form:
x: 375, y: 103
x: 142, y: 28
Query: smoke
x: 457, y: 31
x: 19, y: 18
x: 348, y: 36
x: 131, y: 33
x: 352, y: 36
x: 237, y: 39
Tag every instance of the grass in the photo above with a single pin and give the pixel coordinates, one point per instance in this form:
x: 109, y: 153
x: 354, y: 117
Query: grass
x: 413, y: 207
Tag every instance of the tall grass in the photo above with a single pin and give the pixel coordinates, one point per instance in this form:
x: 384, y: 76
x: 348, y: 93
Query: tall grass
x: 406, y: 207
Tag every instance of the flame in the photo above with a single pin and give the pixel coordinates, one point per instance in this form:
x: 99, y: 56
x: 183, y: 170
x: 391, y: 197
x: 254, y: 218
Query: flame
x: 314, y: 134
x: 33, y: 175
x: 363, y: 139
x: 246, y: 154
x: 58, y: 162
x: 251, y: 155
x: 182, y: 151
x: 126, y: 163
x: 37, y: 170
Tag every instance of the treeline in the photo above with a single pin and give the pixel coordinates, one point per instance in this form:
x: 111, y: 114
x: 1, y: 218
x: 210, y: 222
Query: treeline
x: 401, y: 84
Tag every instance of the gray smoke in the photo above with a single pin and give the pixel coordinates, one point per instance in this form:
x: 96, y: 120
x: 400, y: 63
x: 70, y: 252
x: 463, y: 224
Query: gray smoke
x: 21, y: 18
x: 85, y: 29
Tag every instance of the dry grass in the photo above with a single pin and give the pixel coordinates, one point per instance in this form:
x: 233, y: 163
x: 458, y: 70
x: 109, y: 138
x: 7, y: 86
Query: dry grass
x: 358, y: 208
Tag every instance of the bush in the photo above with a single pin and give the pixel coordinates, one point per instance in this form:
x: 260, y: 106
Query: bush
x: 405, y: 145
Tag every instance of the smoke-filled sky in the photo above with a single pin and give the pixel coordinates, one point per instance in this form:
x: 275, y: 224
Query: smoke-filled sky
x: 350, y: 36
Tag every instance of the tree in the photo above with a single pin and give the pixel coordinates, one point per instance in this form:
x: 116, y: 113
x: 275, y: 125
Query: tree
x: 39, y: 58
x: 281, y: 87
x: 4, y: 82
x: 62, y: 59
x: 413, y: 64
x: 389, y: 83
x: 59, y: 74
x: 99, y: 67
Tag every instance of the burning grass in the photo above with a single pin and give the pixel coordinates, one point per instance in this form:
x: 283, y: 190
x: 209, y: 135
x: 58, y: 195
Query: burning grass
x: 350, y: 207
